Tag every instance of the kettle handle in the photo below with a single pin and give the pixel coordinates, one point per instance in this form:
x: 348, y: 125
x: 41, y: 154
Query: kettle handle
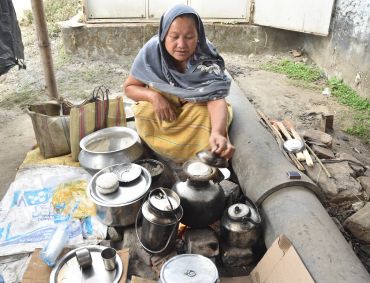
x: 173, y: 230
x: 249, y: 219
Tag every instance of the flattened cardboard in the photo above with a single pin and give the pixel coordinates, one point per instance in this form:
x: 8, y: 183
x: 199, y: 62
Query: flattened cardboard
x: 38, y: 272
x: 280, y: 264
x: 135, y: 279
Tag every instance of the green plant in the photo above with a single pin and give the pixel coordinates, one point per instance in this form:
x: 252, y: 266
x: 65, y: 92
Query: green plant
x: 27, y: 18
x: 295, y: 70
x: 347, y: 95
x: 56, y: 11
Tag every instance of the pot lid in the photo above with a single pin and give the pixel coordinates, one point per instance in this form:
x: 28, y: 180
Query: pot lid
x: 197, y: 170
x: 212, y: 159
x: 239, y: 211
x: 107, y: 183
x: 187, y: 268
x: 126, y: 192
x: 158, y: 199
x: 293, y: 145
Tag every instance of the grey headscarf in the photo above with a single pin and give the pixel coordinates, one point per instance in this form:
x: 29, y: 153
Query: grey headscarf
x: 204, y: 79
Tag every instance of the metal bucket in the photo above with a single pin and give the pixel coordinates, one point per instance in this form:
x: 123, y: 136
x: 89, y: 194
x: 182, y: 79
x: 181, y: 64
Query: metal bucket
x: 162, y: 213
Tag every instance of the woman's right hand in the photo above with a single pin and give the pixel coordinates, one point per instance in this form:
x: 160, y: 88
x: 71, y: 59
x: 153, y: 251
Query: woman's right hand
x: 162, y: 107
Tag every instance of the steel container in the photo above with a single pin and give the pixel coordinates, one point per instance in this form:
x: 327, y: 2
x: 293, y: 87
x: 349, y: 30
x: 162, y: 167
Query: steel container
x: 240, y: 225
x: 187, y: 268
x: 162, y: 213
x: 121, y: 207
x: 109, y: 146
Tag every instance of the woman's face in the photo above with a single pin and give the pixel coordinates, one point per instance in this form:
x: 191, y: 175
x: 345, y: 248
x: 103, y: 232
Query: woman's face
x: 181, y: 39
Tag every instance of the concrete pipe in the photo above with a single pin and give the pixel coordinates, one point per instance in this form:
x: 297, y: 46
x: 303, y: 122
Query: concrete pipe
x: 289, y: 206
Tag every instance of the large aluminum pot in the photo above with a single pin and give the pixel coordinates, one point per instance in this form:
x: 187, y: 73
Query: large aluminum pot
x: 120, y: 207
x: 109, y: 146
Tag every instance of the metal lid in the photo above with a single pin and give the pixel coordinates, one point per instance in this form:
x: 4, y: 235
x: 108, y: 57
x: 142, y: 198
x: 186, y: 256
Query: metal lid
x: 188, y: 268
x: 128, y: 172
x: 158, y: 199
x: 126, y: 192
x: 107, y: 180
x: 212, y: 159
x: 293, y: 145
x: 196, y: 170
x: 238, y: 211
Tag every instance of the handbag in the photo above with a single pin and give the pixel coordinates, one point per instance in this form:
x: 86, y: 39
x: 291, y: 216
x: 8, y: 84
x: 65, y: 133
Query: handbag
x: 95, y: 113
x: 50, y: 122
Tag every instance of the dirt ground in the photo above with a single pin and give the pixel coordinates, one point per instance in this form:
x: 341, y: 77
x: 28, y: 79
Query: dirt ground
x: 274, y: 94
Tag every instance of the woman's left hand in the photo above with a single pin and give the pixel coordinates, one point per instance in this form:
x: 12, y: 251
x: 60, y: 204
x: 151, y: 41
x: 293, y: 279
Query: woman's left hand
x: 221, y: 145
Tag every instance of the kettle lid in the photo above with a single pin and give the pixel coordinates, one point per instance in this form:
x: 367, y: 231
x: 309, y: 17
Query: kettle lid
x: 189, y: 268
x: 239, y: 211
x: 164, y: 199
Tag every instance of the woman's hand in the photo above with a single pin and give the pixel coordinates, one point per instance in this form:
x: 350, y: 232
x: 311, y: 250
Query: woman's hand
x: 221, y: 145
x: 218, y: 141
x: 162, y: 107
x: 137, y: 91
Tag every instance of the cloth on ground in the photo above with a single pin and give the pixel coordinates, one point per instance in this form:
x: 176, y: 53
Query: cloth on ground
x: 34, y: 157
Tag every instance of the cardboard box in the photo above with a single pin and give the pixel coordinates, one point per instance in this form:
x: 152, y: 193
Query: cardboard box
x: 280, y: 264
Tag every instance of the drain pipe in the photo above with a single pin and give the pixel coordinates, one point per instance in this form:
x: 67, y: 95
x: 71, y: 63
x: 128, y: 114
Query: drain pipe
x: 289, y: 207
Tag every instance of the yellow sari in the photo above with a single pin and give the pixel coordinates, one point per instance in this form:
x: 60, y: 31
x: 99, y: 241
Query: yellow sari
x: 177, y: 140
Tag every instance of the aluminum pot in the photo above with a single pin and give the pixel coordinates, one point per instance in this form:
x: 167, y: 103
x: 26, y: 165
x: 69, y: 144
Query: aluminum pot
x: 120, y: 207
x: 109, y: 146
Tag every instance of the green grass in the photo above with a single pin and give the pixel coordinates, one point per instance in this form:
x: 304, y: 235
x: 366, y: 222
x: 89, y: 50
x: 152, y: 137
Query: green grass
x: 21, y: 98
x: 295, y: 70
x: 308, y: 76
x: 55, y: 11
x: 347, y: 95
x: 59, y: 10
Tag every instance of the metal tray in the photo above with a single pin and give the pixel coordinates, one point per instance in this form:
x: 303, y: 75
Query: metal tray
x: 127, y: 193
x: 67, y: 269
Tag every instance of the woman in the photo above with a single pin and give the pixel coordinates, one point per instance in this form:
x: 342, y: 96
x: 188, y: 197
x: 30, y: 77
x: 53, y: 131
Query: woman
x: 178, y: 79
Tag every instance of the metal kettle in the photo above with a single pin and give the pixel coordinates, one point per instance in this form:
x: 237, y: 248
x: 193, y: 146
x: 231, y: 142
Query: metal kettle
x: 240, y: 225
x: 202, y: 200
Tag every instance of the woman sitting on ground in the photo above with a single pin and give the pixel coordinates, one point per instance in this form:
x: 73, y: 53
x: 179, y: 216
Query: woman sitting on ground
x: 179, y: 81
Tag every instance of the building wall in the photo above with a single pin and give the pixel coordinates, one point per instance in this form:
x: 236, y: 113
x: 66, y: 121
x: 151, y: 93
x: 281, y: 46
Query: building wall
x: 345, y: 53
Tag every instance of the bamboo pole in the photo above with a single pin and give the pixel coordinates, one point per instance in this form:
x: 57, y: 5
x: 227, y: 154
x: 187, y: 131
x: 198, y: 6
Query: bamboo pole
x: 44, y: 45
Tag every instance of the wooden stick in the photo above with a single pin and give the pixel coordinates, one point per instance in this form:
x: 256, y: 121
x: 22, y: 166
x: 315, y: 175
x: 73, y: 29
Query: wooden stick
x: 280, y: 140
x: 318, y: 160
x: 307, y: 156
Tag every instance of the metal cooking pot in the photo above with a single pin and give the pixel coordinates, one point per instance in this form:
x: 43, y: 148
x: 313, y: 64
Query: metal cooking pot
x: 120, y: 207
x: 109, y: 146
